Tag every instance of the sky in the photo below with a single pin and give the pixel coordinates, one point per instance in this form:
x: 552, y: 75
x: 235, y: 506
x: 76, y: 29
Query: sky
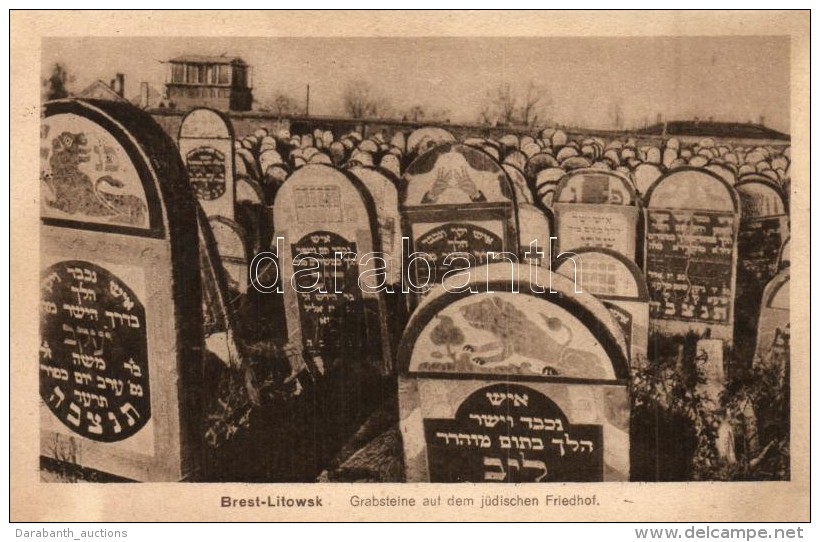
x: 736, y: 78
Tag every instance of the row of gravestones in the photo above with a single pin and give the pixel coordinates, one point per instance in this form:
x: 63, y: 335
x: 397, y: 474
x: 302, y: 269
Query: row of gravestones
x: 696, y: 224
x: 603, y: 223
x: 498, y: 387
x: 532, y: 164
x: 457, y: 201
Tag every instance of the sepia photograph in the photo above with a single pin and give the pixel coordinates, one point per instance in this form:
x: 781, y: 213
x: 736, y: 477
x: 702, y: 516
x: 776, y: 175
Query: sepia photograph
x: 344, y: 271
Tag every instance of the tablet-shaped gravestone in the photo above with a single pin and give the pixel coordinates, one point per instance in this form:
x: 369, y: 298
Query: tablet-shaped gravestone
x: 206, y: 144
x: 773, y: 332
x: 691, y: 253
x: 513, y: 387
x: 595, y: 208
x: 534, y: 230
x: 620, y: 285
x: 456, y: 200
x: 120, y: 317
x: 328, y: 224
x: 764, y: 226
x: 382, y: 189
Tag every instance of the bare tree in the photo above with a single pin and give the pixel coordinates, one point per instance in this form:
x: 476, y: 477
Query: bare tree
x: 282, y: 104
x: 505, y: 105
x: 420, y: 113
x: 415, y: 114
x: 361, y: 101
x: 536, y: 101
x: 55, y: 84
x: 486, y: 114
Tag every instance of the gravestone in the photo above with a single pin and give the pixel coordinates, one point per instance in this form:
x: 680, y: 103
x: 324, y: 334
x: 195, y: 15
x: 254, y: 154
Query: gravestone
x: 530, y: 148
x: 546, y: 196
x: 399, y: 141
x: 533, y: 225
x: 206, y: 144
x: 391, y: 163
x: 327, y: 221
x: 426, y: 138
x: 774, y: 328
x: 519, y: 184
x: 509, y: 142
x: 620, y: 285
x: 232, y: 247
x: 691, y: 253
x: 537, y: 163
x: 550, y: 175
x: 320, y: 158
x: 785, y: 258
x: 764, y: 226
x: 723, y: 171
x: 120, y: 320
x: 269, y: 158
x: 516, y: 159
x: 595, y: 208
x: 249, y: 191
x: 382, y: 189
x: 545, y: 185
x: 253, y: 214
x: 513, y: 387
x: 645, y: 176
x: 249, y: 165
x: 456, y: 200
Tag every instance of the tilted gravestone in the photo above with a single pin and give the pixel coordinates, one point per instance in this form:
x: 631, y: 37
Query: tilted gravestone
x: 513, y: 387
x: 764, y: 226
x: 620, y: 285
x: 121, y: 318
x: 774, y: 328
x: 233, y: 253
x: 328, y: 224
x: 206, y: 144
x: 253, y: 214
x: 691, y: 253
x: 456, y: 201
x: 595, y: 208
x: 382, y: 188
